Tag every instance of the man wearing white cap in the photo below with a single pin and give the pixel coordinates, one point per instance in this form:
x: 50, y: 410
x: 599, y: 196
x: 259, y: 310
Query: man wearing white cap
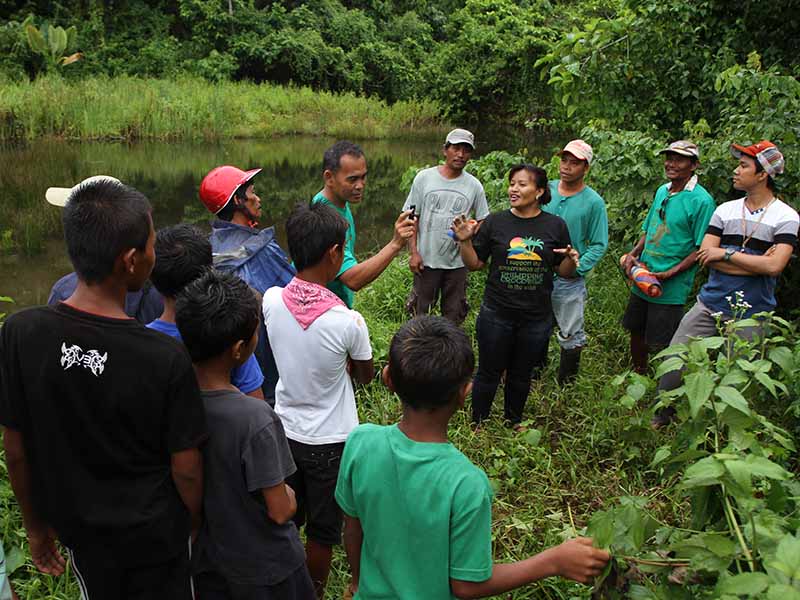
x: 144, y: 305
x: 584, y: 211
x: 672, y: 233
x: 747, y: 245
x: 440, y: 194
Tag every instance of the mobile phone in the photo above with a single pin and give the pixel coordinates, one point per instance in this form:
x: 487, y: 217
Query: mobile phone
x: 413, y: 209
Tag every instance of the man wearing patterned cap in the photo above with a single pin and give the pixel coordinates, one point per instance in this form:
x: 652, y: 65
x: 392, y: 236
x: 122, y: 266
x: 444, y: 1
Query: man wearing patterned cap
x: 584, y: 211
x: 672, y: 233
x: 747, y: 245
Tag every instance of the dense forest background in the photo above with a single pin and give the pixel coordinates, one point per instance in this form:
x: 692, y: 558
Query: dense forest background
x: 639, y: 62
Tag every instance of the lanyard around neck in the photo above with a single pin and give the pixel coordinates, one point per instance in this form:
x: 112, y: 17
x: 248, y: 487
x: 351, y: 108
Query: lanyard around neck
x: 746, y: 238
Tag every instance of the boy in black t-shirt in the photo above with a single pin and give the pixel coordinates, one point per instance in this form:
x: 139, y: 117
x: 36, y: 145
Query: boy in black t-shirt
x: 103, y: 417
x: 248, y: 547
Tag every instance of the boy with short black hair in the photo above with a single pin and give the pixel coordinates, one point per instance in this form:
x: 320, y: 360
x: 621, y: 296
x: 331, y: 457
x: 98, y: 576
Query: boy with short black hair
x: 415, y: 505
x: 248, y: 547
x: 103, y: 416
x: 183, y: 254
x: 319, y: 344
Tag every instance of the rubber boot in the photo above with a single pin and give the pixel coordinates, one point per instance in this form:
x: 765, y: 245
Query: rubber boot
x: 568, y: 367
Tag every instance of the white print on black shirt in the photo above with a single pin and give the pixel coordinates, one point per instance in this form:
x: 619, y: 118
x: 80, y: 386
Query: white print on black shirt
x: 74, y: 355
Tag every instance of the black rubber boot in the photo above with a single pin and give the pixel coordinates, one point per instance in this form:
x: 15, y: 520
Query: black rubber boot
x: 568, y: 367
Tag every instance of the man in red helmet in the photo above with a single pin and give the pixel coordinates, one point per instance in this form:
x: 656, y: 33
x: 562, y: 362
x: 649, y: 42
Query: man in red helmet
x: 237, y: 246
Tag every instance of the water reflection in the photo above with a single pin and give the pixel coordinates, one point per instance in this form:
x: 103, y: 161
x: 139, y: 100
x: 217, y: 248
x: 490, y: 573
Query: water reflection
x: 170, y: 174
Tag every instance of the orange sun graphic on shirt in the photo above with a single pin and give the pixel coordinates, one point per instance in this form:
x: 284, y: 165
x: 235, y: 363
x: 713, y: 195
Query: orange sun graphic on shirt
x: 524, y: 249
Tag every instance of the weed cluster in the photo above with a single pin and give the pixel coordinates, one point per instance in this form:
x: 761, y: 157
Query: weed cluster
x: 192, y: 108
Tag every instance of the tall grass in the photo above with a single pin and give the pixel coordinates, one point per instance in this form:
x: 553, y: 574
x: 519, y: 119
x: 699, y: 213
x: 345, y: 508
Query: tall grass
x: 131, y: 108
x: 590, y: 450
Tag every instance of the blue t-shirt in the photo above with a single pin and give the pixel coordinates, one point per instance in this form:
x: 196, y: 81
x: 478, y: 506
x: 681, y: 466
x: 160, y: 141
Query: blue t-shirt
x: 247, y: 377
x: 734, y: 224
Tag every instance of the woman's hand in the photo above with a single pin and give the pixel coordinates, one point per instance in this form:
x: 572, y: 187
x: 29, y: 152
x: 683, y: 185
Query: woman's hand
x: 464, y: 228
x: 570, y: 254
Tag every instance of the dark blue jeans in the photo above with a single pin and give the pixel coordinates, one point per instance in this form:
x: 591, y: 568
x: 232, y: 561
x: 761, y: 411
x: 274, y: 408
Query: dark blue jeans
x: 514, y: 345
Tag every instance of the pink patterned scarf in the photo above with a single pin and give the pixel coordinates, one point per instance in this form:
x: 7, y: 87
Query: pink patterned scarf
x: 308, y: 301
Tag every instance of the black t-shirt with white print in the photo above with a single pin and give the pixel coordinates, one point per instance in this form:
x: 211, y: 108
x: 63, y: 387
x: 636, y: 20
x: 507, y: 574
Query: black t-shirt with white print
x: 522, y: 261
x: 102, y: 404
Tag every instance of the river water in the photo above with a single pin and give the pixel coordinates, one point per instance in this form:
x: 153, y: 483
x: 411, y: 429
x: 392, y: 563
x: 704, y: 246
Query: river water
x: 170, y: 174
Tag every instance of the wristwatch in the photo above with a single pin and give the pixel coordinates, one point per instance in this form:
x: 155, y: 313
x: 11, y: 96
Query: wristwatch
x: 728, y: 253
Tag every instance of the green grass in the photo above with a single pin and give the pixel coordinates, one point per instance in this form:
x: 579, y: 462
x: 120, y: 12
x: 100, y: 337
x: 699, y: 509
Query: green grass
x: 131, y: 108
x: 592, y: 449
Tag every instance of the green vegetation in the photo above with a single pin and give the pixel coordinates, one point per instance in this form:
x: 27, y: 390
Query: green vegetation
x: 99, y: 107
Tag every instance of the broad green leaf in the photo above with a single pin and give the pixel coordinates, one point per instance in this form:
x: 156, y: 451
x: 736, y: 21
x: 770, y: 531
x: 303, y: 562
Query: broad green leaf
x: 734, y: 377
x: 636, y: 390
x: 601, y: 528
x: 733, y: 398
x: 72, y: 37
x: 743, y: 584
x: 707, y: 471
x: 532, y: 437
x: 35, y: 39
x: 767, y: 382
x: 671, y: 364
x: 784, y: 567
x: 780, y: 591
x: 698, y: 390
x: 674, y: 350
x: 15, y: 558
x: 661, y: 455
x: 721, y: 545
x: 711, y: 343
x: 746, y: 323
x: 741, y: 474
x: 783, y: 357
x: 763, y: 467
x: 6, y: 299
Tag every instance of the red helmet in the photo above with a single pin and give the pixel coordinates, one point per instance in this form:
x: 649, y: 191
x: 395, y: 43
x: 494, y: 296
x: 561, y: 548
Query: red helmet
x: 217, y: 188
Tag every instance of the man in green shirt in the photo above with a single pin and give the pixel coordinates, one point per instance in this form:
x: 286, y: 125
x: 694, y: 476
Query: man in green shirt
x: 418, y: 513
x: 584, y: 211
x: 344, y: 172
x: 672, y: 233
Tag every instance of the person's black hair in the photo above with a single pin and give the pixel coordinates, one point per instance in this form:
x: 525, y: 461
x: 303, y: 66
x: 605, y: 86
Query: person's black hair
x: 103, y: 219
x: 215, y: 311
x: 539, y: 177
x: 183, y: 254
x: 760, y: 169
x: 311, y: 230
x: 227, y: 211
x: 332, y: 159
x: 430, y: 359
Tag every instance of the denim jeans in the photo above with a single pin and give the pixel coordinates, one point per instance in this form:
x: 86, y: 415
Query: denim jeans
x: 569, y: 300
x: 512, y: 344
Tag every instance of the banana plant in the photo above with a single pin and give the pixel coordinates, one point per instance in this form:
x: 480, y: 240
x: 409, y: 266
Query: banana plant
x: 53, y: 43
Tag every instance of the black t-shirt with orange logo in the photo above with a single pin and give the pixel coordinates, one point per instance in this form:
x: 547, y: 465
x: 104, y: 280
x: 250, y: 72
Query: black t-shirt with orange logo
x: 522, y: 261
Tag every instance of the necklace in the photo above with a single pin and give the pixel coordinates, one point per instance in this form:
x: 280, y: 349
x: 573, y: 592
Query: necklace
x: 746, y: 238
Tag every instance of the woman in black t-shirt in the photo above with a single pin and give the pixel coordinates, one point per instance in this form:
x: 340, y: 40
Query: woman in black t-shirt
x: 526, y: 246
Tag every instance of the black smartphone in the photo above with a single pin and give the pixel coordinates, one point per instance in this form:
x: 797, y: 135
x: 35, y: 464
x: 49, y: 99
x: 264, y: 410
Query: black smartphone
x: 413, y: 209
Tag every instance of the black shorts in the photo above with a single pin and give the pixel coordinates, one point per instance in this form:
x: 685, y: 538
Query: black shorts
x: 297, y: 586
x: 314, y: 484
x: 656, y: 322
x: 102, y: 576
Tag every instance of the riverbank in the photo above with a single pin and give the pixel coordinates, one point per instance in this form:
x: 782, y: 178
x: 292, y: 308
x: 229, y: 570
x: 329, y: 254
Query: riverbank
x: 106, y: 108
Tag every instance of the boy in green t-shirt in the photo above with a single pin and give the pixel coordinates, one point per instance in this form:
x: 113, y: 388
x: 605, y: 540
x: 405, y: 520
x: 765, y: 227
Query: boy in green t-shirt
x: 413, y: 504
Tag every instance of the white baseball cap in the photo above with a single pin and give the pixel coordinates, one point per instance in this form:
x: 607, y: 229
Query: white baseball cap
x: 460, y: 136
x: 58, y: 196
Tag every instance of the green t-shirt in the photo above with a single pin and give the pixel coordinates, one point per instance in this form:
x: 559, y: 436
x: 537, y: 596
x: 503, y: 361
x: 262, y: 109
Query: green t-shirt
x: 587, y: 222
x: 425, y: 510
x: 671, y: 239
x: 336, y: 286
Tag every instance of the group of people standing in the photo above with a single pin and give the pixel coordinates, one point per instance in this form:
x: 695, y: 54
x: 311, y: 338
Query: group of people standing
x: 125, y: 441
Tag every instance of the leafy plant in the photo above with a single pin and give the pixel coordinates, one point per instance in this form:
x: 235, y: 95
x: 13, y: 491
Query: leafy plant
x: 728, y: 460
x: 52, y: 43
